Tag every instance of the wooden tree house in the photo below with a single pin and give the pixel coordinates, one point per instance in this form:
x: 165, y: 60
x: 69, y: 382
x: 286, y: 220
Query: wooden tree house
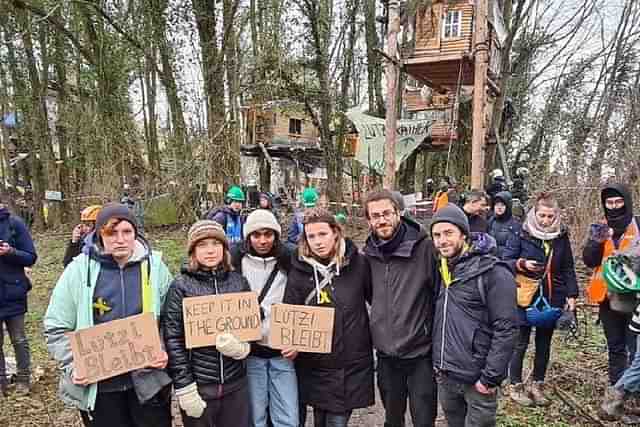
x: 444, y: 39
x: 439, y: 107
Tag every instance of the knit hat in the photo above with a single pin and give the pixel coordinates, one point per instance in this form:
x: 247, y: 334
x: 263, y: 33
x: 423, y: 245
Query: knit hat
x: 117, y: 211
x: 258, y: 219
x: 205, y: 229
x: 453, y: 215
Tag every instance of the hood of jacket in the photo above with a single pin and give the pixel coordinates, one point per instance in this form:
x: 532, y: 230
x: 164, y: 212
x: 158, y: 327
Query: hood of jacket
x: 506, y: 198
x: 267, y: 196
x: 414, y: 233
x: 299, y: 263
x: 474, y: 261
x: 281, y: 252
x: 618, y: 219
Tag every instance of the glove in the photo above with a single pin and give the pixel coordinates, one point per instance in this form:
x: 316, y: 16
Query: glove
x: 599, y: 232
x: 231, y: 346
x: 190, y: 401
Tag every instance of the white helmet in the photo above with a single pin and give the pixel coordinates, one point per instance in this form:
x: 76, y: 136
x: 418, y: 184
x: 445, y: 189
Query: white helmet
x: 522, y: 171
x: 496, y: 173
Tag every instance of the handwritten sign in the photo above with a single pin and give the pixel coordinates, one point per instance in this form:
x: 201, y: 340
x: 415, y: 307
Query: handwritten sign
x: 115, y: 347
x: 207, y: 316
x: 302, y: 328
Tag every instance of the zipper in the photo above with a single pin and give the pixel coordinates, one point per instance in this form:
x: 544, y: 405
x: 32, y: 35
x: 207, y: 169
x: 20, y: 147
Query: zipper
x: 388, y: 299
x: 215, y: 285
x: 444, y: 324
x: 124, y: 312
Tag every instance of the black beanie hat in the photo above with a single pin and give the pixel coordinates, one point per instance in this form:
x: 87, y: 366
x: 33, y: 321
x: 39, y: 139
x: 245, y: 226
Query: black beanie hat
x: 454, y: 215
x: 115, y: 210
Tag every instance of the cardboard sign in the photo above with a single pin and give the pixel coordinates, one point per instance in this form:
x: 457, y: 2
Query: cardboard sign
x: 115, y: 347
x: 207, y: 316
x: 301, y: 327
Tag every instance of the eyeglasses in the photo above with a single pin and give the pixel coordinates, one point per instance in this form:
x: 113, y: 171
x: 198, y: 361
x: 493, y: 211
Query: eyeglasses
x: 375, y: 217
x: 614, y: 203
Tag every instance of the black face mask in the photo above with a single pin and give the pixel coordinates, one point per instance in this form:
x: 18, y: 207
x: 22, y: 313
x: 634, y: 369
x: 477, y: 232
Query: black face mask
x: 618, y: 219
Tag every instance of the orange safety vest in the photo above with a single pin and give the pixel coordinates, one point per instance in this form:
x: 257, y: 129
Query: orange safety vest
x: 441, y: 200
x: 597, y: 289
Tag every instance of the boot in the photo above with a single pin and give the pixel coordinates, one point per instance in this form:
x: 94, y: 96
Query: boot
x: 519, y: 395
x: 536, y: 390
x: 612, y: 407
x: 22, y: 388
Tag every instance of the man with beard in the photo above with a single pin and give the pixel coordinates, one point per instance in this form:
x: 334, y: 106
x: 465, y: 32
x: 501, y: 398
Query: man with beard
x: 616, y: 232
x: 502, y: 225
x: 402, y: 271
x: 476, y: 206
x: 475, y: 321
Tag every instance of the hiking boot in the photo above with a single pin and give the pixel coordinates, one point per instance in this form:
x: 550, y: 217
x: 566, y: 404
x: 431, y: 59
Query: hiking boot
x: 519, y: 394
x: 536, y: 391
x: 630, y: 420
x: 22, y: 389
x: 612, y: 407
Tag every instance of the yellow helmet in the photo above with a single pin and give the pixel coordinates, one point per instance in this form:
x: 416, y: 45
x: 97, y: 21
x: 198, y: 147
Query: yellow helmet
x: 90, y: 213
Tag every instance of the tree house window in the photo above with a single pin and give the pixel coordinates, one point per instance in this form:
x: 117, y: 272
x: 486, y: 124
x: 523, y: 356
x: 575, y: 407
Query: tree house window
x: 295, y: 126
x: 452, y: 27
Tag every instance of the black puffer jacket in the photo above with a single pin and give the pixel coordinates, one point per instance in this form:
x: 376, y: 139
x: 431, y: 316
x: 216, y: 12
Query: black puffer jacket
x: 204, y: 365
x: 342, y: 380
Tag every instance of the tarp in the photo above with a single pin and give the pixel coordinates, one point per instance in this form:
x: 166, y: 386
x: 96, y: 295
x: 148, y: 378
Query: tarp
x: 9, y: 120
x: 371, y: 131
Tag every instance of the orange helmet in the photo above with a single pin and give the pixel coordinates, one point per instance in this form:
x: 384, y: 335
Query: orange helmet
x: 90, y: 213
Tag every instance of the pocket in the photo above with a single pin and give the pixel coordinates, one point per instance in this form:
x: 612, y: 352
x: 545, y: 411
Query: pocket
x: 480, y: 346
x: 15, y: 291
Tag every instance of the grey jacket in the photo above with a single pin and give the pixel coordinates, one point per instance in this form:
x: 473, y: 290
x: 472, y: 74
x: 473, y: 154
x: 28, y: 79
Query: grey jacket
x: 402, y: 294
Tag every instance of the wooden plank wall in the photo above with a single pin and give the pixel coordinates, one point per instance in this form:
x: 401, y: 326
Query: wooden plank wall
x: 429, y: 39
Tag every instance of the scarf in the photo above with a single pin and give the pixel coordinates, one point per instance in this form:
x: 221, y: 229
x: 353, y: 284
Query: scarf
x: 534, y: 228
x: 323, y: 274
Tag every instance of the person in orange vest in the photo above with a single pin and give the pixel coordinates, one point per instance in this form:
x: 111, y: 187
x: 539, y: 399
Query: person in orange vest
x: 442, y: 197
x: 616, y: 232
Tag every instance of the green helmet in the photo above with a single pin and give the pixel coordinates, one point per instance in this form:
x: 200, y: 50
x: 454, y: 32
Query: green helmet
x: 619, y: 277
x: 341, y: 218
x: 309, y: 197
x: 235, y: 193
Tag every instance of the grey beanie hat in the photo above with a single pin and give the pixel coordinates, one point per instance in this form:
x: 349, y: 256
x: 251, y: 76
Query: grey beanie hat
x: 118, y: 211
x: 453, y: 215
x: 259, y: 219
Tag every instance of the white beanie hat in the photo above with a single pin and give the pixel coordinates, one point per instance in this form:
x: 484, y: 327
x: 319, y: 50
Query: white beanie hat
x: 258, y: 219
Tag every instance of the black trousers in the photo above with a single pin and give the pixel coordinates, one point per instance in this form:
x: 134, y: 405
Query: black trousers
x: 399, y: 379
x: 621, y: 342
x: 540, y: 359
x: 122, y: 409
x: 231, y: 410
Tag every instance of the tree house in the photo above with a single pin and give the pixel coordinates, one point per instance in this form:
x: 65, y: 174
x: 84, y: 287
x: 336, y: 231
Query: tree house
x: 439, y: 107
x: 279, y: 123
x: 444, y: 39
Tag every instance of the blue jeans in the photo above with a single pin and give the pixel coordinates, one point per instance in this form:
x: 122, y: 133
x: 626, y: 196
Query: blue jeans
x: 630, y: 379
x: 273, y: 384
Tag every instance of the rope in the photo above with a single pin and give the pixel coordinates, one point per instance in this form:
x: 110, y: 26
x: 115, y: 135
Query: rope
x: 454, y: 116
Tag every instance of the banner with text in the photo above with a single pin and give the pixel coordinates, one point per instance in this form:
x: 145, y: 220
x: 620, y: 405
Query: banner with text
x: 301, y: 327
x: 207, y: 316
x: 371, y: 132
x: 115, y: 347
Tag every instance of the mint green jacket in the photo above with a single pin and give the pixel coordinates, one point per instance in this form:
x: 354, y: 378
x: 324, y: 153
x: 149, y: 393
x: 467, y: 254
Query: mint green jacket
x: 71, y: 309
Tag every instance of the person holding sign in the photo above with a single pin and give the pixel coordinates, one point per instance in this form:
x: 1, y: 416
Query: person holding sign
x: 210, y: 381
x: 328, y: 271
x: 265, y: 261
x: 119, y: 278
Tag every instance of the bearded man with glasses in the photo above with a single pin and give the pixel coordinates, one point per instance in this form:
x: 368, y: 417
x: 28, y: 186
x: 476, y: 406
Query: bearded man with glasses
x: 402, y: 293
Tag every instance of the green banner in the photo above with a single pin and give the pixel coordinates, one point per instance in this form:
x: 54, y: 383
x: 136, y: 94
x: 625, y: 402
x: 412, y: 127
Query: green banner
x: 371, y: 132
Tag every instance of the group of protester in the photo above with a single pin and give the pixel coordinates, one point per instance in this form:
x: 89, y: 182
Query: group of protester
x: 449, y: 311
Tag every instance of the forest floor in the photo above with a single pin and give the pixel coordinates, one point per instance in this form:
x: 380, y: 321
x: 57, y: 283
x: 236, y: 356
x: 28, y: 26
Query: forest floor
x: 577, y: 376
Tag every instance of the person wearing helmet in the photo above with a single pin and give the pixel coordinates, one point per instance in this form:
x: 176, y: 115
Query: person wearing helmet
x: 229, y: 216
x: 81, y: 234
x: 310, y: 199
x: 499, y: 184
